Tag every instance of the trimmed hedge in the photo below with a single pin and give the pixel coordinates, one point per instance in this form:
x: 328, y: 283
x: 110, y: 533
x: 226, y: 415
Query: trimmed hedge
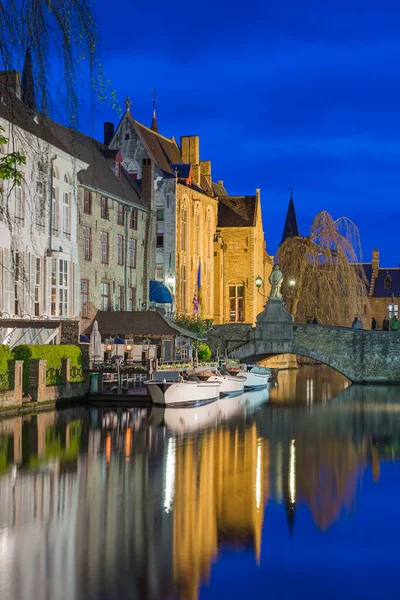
x: 53, y: 355
x: 5, y: 356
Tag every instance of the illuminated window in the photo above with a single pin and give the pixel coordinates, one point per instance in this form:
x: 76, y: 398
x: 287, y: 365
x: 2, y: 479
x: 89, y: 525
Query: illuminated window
x: 236, y: 303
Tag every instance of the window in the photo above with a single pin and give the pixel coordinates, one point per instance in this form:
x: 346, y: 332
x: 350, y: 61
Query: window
x: 54, y: 209
x: 393, y: 310
x: 160, y: 241
x: 37, y: 288
x: 184, y: 227
x: 104, y: 247
x: 16, y: 300
x: 18, y: 277
x: 121, y: 214
x: 132, y: 254
x: 387, y: 284
x: 67, y: 178
x: 184, y: 353
x: 197, y: 239
x: 84, y: 297
x: 160, y: 214
x: 160, y: 273
x: 183, y: 287
x: 66, y: 216
x: 126, y: 136
x: 120, y: 249
x: 133, y: 219
x: 53, y: 287
x: 121, y: 298
x: 105, y: 296
x: 40, y: 194
x: 63, y: 288
x: 87, y: 243
x: 104, y: 207
x: 131, y: 296
x: 236, y: 303
x: 87, y: 202
x: 210, y: 234
x: 19, y: 205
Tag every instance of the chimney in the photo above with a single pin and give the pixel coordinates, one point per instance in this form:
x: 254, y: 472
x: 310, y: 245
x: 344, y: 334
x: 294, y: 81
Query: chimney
x: 190, y: 150
x: 221, y: 183
x: 12, y: 81
x: 148, y: 182
x: 258, y: 190
x: 375, y: 262
x: 108, y: 132
x: 205, y: 169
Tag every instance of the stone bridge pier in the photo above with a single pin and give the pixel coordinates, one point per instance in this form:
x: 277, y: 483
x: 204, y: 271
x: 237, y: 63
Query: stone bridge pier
x: 366, y: 357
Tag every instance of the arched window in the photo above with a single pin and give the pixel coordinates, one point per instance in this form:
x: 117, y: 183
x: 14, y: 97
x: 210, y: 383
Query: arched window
x: 67, y: 178
x: 184, y: 226
x: 197, y: 230
x: 387, y: 284
x: 56, y: 173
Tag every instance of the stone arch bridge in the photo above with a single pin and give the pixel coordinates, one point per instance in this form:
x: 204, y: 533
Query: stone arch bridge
x: 366, y: 357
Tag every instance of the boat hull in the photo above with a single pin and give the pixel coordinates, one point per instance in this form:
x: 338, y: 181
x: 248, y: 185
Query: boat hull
x: 182, y: 393
x: 254, y: 381
x: 229, y: 386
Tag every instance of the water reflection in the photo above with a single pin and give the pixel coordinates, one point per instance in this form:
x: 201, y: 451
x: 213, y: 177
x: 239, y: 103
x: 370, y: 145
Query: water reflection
x: 141, y: 503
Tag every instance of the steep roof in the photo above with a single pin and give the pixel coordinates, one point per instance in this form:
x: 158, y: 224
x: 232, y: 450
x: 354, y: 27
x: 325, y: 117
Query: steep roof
x: 99, y: 175
x: 237, y: 211
x: 136, y: 323
x: 218, y: 189
x: 291, y: 228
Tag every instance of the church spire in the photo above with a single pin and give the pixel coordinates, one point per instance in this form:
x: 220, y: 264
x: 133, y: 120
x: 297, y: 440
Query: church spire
x: 291, y: 228
x: 27, y: 84
x: 154, y: 125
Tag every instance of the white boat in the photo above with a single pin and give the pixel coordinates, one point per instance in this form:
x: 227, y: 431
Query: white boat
x: 229, y: 385
x: 256, y: 378
x: 253, y: 399
x: 168, y: 388
x: 232, y: 407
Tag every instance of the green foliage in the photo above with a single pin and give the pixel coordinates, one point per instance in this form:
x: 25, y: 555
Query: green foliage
x: 9, y: 164
x: 5, y: 356
x: 204, y: 352
x: 194, y: 324
x: 52, y: 354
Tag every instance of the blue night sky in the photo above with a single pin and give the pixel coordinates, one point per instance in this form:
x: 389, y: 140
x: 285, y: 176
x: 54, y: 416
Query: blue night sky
x: 283, y: 94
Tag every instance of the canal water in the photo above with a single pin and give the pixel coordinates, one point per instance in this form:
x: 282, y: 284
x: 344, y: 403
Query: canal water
x: 287, y: 493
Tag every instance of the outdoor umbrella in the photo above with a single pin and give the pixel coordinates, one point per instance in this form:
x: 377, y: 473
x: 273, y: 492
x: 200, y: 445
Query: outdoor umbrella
x: 95, y: 341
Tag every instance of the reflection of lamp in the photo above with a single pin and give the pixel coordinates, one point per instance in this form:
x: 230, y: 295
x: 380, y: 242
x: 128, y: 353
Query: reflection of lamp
x: 129, y: 344
x: 259, y: 282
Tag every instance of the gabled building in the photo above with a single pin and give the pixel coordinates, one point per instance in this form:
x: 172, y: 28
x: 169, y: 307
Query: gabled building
x: 240, y: 257
x: 177, y: 185
x: 384, y: 290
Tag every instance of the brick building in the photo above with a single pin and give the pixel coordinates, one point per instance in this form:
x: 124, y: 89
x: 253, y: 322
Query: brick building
x: 186, y: 204
x: 384, y: 290
x: 240, y: 257
x: 115, y: 231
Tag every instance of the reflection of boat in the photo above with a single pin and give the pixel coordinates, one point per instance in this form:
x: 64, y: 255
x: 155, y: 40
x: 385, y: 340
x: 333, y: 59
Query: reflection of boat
x: 183, y: 420
x: 254, y: 399
x: 256, y: 378
x: 168, y: 388
x: 231, y: 407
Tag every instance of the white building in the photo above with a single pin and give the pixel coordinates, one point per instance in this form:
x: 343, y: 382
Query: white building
x: 39, y: 270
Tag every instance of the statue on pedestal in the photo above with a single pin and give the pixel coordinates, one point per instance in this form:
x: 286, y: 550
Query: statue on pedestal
x: 276, y: 279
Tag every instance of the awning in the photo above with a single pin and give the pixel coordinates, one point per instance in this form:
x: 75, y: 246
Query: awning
x: 159, y: 293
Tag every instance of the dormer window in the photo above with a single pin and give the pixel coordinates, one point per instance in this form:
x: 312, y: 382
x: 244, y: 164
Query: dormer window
x: 387, y: 284
x: 126, y: 136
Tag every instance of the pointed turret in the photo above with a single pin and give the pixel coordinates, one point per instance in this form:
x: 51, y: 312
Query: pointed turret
x: 27, y: 84
x: 291, y: 228
x: 154, y: 125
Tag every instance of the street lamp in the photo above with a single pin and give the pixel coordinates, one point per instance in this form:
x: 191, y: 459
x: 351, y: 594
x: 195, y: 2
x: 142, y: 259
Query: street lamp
x: 292, y: 282
x: 170, y: 280
x: 259, y: 281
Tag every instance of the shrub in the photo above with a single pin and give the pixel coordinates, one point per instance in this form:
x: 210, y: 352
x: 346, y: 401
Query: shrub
x: 5, y: 356
x: 204, y: 352
x: 53, y: 355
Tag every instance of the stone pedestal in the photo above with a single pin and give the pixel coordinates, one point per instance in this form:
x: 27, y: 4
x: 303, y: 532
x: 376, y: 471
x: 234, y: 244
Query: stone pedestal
x: 274, y: 324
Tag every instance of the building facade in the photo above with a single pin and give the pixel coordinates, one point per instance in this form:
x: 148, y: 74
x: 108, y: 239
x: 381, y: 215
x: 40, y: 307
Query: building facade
x: 38, y: 218
x: 186, y: 204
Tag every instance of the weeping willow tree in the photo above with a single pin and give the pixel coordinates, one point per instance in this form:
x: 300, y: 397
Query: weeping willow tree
x: 330, y: 282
